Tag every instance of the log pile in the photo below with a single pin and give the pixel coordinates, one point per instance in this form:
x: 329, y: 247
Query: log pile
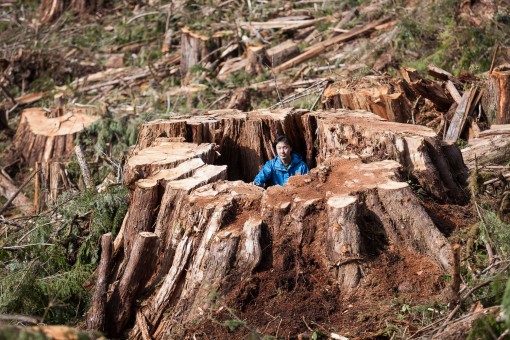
x: 200, y: 231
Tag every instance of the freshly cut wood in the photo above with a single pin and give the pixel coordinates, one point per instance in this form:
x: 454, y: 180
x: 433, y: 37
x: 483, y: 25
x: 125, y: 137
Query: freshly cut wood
x: 29, y: 98
x: 164, y: 154
x: 496, y: 130
x: 50, y: 10
x: 375, y: 94
x: 281, y: 23
x: 427, y: 88
x: 12, y: 192
x: 450, y: 86
x: 243, y: 139
x: 139, y: 268
x: 337, y: 222
x: 318, y: 48
x: 232, y: 66
x: 282, y: 52
x: 96, y: 316
x: 497, y: 96
x: 487, y: 150
x: 41, y: 139
x: 459, y: 118
x: 441, y: 74
x: 437, y: 168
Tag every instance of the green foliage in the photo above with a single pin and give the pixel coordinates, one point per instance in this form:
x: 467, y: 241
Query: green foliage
x: 486, y: 327
x: 497, y: 232
x: 46, y: 277
x: 141, y: 29
x: 234, y: 324
x: 438, y: 34
x: 112, y: 135
x: 505, y: 304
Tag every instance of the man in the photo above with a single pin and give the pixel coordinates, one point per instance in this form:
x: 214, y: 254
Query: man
x: 278, y: 170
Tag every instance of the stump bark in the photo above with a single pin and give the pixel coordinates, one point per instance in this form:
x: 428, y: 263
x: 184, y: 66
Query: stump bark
x: 41, y: 139
x: 96, y: 316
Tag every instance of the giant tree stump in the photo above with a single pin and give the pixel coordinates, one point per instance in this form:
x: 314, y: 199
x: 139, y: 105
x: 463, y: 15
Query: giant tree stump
x: 40, y: 139
x: 246, y: 141
x: 497, y: 96
x: 338, y: 223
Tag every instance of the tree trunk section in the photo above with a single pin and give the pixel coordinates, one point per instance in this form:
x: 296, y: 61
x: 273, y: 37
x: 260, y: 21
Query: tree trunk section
x: 96, y: 316
x: 51, y: 10
x: 280, y: 53
x: 41, y: 139
x: 498, y: 95
x: 488, y: 149
x: 139, y: 269
x: 197, y: 48
x: 241, y: 100
x: 373, y: 94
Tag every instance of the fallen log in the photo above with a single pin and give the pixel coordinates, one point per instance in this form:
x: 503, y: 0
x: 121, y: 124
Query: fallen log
x: 41, y: 139
x: 461, y: 113
x: 318, y: 48
x: 487, y: 150
x: 282, y: 52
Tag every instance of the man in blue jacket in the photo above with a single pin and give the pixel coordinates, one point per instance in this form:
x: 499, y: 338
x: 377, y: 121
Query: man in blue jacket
x: 278, y: 170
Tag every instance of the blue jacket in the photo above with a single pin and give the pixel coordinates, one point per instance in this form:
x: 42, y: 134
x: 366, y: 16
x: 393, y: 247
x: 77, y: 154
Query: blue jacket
x: 274, y: 172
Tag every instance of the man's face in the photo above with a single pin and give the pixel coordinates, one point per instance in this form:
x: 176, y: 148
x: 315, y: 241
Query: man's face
x: 284, y: 152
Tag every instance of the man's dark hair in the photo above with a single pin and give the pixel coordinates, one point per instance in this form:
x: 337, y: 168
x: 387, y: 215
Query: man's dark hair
x: 281, y: 138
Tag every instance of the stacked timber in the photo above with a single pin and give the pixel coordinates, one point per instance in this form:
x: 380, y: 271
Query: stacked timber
x: 189, y: 231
